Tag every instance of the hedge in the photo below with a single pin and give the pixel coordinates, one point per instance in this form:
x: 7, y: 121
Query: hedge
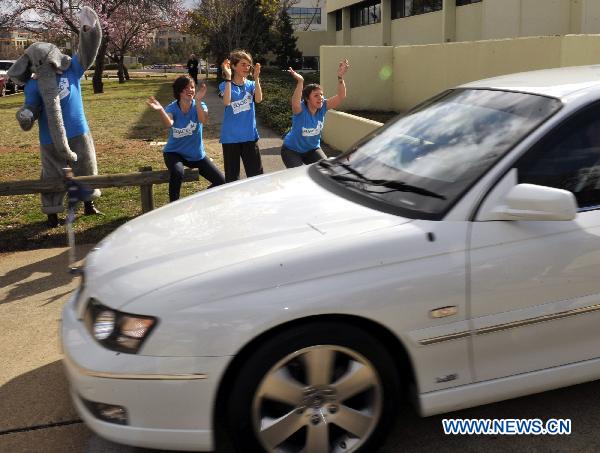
x: 278, y: 86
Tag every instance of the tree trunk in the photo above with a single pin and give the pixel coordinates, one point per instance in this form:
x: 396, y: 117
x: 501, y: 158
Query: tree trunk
x: 120, y: 70
x: 99, y: 70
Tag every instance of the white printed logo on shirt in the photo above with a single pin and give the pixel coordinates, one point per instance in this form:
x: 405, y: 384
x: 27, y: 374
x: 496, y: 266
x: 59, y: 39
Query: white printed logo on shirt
x: 312, y: 131
x: 242, y: 105
x: 63, y: 88
x: 179, y: 132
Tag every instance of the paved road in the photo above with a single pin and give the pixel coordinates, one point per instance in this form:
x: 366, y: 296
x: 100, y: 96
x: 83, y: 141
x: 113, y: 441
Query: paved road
x: 36, y: 414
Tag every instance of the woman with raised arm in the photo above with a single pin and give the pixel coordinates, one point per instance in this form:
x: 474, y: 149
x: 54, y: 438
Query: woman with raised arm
x: 302, y: 144
x: 184, y: 117
x: 239, y: 135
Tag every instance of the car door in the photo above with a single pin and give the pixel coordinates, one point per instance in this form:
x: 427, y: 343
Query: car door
x: 535, y: 285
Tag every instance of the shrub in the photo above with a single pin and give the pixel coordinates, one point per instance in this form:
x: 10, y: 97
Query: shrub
x: 275, y: 110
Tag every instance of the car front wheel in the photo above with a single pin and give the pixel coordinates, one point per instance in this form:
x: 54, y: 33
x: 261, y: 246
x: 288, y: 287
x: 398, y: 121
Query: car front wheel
x: 323, y: 387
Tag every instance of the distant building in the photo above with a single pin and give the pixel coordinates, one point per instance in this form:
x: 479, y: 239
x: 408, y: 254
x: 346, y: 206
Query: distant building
x: 166, y: 37
x: 409, y: 22
x: 309, y: 15
x: 14, y: 41
x: 309, y: 18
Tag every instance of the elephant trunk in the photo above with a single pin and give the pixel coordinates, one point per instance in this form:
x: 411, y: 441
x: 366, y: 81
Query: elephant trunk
x: 48, y: 88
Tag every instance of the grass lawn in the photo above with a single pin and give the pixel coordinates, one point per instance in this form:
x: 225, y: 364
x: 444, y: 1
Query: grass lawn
x: 123, y: 128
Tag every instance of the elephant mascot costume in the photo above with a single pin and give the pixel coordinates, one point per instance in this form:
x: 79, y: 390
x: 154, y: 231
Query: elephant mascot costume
x: 53, y: 97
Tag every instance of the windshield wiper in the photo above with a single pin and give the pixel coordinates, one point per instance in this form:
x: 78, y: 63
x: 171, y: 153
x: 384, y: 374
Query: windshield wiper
x: 398, y: 186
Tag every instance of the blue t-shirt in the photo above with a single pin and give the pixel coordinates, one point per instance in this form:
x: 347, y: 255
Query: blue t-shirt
x: 305, y: 134
x: 185, y: 136
x: 69, y: 92
x: 239, y: 121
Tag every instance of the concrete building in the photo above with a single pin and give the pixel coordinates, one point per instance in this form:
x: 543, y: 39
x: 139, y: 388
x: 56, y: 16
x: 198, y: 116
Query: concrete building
x: 310, y: 23
x: 165, y: 37
x: 405, y: 22
x: 309, y: 15
x: 14, y: 41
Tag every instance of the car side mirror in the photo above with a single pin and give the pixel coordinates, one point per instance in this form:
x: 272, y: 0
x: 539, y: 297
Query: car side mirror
x: 533, y: 202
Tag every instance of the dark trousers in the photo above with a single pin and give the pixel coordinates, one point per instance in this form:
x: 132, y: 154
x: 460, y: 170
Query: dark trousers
x: 292, y: 158
x: 194, y: 75
x: 250, y: 155
x: 176, y: 165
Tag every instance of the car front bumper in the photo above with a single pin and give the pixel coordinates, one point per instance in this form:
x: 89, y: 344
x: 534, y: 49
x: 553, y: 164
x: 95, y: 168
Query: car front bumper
x: 169, y: 400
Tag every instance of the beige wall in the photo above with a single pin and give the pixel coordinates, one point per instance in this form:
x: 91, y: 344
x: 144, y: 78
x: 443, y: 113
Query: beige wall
x: 332, y: 5
x: 580, y: 50
x: 369, y: 79
x: 342, y: 130
x: 422, y: 71
x: 545, y: 17
x: 420, y: 29
x: 468, y: 22
x: 339, y: 38
x: 591, y: 16
x: 499, y: 18
x: 400, y: 77
x: 309, y: 41
x: 368, y: 35
x: 514, y: 18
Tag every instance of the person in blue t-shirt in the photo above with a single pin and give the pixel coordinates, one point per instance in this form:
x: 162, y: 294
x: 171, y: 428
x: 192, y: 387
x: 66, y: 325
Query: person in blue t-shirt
x: 238, y: 131
x: 184, y: 117
x: 302, y: 144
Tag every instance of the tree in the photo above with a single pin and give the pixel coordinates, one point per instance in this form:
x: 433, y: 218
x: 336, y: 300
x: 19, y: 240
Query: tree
x: 133, y: 24
x: 285, y: 47
x: 225, y: 25
x: 60, y: 15
x: 9, y: 13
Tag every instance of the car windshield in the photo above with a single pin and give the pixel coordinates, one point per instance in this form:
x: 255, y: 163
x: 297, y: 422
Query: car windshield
x: 5, y: 65
x: 422, y: 162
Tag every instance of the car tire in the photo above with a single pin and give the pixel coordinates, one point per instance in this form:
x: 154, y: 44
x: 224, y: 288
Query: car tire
x: 285, y: 399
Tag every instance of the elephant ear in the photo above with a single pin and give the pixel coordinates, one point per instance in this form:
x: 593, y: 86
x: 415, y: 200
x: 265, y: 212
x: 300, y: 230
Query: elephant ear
x: 20, y: 71
x: 59, y: 60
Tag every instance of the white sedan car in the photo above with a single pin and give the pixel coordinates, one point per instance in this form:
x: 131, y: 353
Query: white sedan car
x: 454, y: 255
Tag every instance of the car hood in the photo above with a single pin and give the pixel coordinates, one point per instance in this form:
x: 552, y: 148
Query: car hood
x: 222, y: 227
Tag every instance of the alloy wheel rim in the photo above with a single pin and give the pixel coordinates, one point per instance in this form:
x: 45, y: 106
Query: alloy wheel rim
x: 318, y: 399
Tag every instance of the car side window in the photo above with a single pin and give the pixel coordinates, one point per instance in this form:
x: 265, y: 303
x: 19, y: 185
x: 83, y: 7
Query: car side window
x: 569, y: 159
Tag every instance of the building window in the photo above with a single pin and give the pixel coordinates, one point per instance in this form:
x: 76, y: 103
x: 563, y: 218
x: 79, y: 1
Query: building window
x: 338, y: 20
x: 365, y: 13
x: 406, y: 8
x: 304, y: 16
x: 466, y: 2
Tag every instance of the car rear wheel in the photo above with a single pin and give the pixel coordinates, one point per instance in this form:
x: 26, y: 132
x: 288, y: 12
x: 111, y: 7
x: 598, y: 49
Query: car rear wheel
x: 317, y: 388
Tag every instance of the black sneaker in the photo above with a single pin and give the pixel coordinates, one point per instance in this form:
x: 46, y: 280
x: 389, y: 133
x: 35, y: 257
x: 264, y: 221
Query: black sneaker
x: 90, y: 209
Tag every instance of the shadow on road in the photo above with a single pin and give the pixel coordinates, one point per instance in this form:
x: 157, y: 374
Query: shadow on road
x: 36, y: 398
x: 39, y: 277
x: 414, y: 434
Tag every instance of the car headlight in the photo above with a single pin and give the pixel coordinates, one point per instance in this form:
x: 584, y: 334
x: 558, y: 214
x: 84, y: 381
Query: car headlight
x: 115, y: 330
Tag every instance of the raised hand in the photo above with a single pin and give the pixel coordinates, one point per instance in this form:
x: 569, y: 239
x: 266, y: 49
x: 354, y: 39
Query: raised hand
x: 343, y: 67
x: 256, y: 72
x: 201, y: 91
x: 154, y: 104
x: 226, y: 68
x: 295, y: 75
